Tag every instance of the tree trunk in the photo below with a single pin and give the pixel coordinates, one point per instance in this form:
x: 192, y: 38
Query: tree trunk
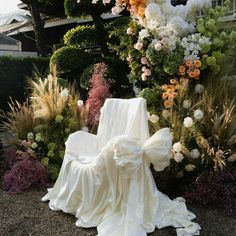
x: 102, y: 33
x: 38, y: 26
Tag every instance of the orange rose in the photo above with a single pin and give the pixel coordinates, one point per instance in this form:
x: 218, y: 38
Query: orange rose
x: 167, y: 103
x: 173, y: 81
x: 141, y: 11
x: 164, y: 96
x: 189, y: 63
x: 197, y: 72
x: 182, y: 69
x: 197, y: 63
x: 192, y: 74
x: 164, y: 86
x: 132, y: 2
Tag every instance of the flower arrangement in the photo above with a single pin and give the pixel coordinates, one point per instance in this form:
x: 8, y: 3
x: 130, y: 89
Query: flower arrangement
x: 180, y: 57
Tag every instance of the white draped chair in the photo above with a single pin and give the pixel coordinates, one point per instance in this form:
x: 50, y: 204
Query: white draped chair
x: 105, y: 179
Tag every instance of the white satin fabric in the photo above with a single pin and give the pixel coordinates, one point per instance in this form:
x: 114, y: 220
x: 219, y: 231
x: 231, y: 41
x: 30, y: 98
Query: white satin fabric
x: 105, y: 179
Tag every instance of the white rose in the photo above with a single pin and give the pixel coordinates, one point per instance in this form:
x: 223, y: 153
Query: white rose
x: 198, y: 114
x: 129, y: 31
x: 138, y: 46
x: 190, y: 167
x: 178, y: 157
x: 154, y: 118
x: 199, y: 88
x: 177, y: 147
x: 187, y: 104
x: 64, y: 93
x: 188, y: 122
x: 143, y: 34
x: 144, y: 60
x: 147, y: 72
x: 144, y: 77
x: 80, y: 103
x: 195, y: 153
x: 158, y: 46
x: 148, y: 115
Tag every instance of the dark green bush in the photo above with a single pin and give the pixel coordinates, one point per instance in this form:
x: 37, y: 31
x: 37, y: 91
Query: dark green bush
x: 85, y: 7
x: 81, y: 36
x: 70, y: 62
x: 14, y: 72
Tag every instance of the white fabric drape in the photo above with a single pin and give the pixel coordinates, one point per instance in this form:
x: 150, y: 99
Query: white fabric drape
x: 105, y: 179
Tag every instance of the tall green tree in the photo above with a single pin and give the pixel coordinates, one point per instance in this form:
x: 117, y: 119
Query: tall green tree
x: 74, y: 8
x: 36, y: 7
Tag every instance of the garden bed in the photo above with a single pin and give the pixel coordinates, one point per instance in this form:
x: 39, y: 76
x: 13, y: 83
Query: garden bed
x: 25, y: 214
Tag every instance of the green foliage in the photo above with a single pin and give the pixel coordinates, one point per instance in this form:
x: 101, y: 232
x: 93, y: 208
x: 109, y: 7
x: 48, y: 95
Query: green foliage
x: 14, y: 72
x: 116, y: 29
x: 70, y: 61
x: 173, y: 61
x: 153, y: 98
x: 81, y: 36
x: 85, y: 7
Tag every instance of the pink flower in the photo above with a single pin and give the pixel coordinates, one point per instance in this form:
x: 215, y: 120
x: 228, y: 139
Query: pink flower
x: 158, y: 46
x: 147, y: 72
x: 144, y: 77
x: 144, y: 68
x: 144, y: 60
x: 138, y: 46
x: 98, y: 93
x: 106, y: 2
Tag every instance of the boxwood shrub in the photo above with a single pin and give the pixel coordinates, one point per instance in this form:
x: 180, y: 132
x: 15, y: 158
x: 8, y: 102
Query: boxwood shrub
x: 14, y: 72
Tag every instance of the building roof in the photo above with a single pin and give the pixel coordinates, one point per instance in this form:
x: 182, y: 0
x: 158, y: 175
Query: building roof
x: 26, y: 26
x: 13, y: 17
x: 6, y: 40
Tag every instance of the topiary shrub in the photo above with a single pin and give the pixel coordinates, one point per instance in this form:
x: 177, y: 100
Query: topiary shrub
x: 81, y: 36
x: 70, y: 62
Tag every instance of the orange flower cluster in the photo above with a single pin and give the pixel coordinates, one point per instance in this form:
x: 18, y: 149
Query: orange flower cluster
x: 191, y: 69
x: 137, y: 7
x: 176, y: 88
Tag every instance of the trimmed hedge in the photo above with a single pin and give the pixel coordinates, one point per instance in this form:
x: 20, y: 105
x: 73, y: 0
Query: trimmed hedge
x: 14, y: 72
x: 70, y: 62
x: 81, y: 36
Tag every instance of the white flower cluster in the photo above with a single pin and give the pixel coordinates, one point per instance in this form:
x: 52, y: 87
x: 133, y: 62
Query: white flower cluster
x: 193, y: 45
x: 179, y: 20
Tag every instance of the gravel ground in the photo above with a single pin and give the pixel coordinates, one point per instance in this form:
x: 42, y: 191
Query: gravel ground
x: 24, y: 214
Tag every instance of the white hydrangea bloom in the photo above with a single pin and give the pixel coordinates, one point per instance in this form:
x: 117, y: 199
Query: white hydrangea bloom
x: 143, y: 34
x: 195, y: 153
x: 64, y: 93
x: 177, y: 147
x: 188, y: 122
x: 199, y: 88
x: 154, y: 118
x: 187, y: 103
x: 198, y: 114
